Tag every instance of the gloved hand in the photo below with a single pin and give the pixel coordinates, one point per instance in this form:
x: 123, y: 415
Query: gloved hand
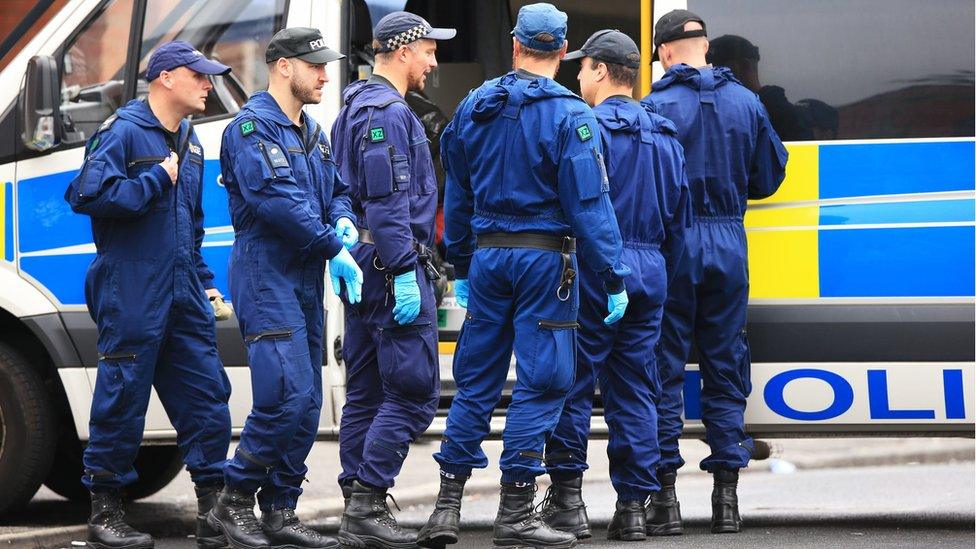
x: 461, y: 290
x: 617, y: 303
x: 344, y: 266
x: 406, y: 292
x: 347, y: 232
x: 221, y: 310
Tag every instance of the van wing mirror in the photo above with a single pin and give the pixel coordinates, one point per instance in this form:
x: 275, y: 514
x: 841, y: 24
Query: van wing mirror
x: 41, y: 104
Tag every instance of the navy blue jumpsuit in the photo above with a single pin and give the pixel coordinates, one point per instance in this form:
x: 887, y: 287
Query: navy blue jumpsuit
x: 146, y: 292
x: 285, y: 197
x: 522, y: 155
x: 733, y: 154
x: 392, y: 376
x: 649, y: 191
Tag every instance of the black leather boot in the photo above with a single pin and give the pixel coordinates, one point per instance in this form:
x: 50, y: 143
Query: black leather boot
x: 233, y: 516
x: 563, y: 507
x: 725, y: 502
x: 107, y: 528
x: 518, y: 526
x: 368, y: 522
x: 207, y: 537
x: 346, y: 487
x: 628, y: 523
x: 444, y: 523
x: 663, y: 510
x: 284, y: 528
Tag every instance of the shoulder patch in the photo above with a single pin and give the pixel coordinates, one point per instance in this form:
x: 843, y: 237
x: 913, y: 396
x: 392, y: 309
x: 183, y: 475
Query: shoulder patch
x: 95, y: 142
x: 376, y: 135
x: 108, y: 122
x: 584, y: 132
x: 248, y: 127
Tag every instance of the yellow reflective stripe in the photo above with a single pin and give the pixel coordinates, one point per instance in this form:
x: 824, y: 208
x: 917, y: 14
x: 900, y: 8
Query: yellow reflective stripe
x: 646, y: 47
x: 446, y: 347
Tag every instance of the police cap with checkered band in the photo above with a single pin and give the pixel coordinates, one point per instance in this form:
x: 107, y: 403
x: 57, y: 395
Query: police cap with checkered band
x: 304, y: 43
x: 401, y: 28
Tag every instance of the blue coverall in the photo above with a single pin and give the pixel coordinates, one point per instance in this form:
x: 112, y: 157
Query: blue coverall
x: 522, y: 155
x: 285, y: 198
x: 732, y: 154
x: 392, y: 376
x: 146, y: 292
x: 649, y: 191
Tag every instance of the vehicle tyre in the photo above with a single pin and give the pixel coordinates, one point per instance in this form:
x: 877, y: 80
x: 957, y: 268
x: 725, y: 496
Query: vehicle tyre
x: 27, y: 430
x: 157, y: 467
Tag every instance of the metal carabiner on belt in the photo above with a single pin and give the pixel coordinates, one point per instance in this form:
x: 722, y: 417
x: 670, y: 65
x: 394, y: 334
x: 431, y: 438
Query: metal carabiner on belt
x: 568, y: 274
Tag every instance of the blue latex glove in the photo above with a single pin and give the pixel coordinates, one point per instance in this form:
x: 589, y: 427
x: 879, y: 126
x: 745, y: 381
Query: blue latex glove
x: 617, y: 303
x: 461, y: 289
x: 344, y: 266
x: 406, y: 292
x: 347, y: 232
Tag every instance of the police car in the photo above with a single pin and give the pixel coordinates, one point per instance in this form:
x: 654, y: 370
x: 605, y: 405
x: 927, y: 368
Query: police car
x: 862, y: 265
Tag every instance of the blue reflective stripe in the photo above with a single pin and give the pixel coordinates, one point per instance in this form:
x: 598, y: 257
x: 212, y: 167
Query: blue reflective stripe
x: 46, y: 220
x: 933, y: 211
x: 895, y: 168
x: 924, y: 261
x: 216, y: 212
x: 63, y: 275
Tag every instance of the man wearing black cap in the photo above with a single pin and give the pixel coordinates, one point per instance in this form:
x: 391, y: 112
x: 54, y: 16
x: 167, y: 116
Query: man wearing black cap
x: 649, y: 191
x: 147, y: 290
x: 525, y: 185
x: 733, y: 154
x: 291, y: 213
x: 390, y: 347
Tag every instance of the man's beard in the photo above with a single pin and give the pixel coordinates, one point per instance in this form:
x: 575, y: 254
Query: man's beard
x: 415, y: 83
x: 305, y: 94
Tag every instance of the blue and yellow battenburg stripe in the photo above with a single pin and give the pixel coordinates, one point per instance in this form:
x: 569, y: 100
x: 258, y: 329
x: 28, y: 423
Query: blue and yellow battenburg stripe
x: 851, y: 220
x: 891, y: 219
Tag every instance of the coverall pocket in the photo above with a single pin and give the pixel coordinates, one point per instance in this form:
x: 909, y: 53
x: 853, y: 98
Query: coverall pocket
x: 589, y: 174
x: 408, y: 360
x: 553, y: 365
x: 91, y: 182
x: 401, y: 172
x: 111, y: 400
x: 378, y: 171
x: 276, y: 368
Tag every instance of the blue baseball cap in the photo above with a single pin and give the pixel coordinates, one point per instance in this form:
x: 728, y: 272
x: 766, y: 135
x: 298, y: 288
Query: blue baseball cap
x: 178, y: 53
x: 541, y: 27
x: 401, y: 28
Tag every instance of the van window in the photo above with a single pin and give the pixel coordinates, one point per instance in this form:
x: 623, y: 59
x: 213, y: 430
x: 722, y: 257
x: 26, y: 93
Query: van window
x: 93, y: 70
x: 850, y: 70
x: 235, y: 32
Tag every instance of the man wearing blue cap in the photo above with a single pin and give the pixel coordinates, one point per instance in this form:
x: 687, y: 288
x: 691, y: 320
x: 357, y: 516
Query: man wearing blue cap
x: 649, y: 191
x: 147, y: 291
x: 733, y: 154
x: 390, y: 347
x: 291, y: 213
x: 525, y: 183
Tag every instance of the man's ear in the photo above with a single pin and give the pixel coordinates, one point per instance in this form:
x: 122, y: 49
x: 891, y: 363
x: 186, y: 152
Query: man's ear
x: 284, y: 67
x: 565, y: 48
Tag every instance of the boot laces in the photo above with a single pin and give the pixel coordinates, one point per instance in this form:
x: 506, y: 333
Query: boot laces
x: 243, y: 515
x: 544, y: 509
x: 292, y: 521
x: 386, y: 517
x: 115, y: 522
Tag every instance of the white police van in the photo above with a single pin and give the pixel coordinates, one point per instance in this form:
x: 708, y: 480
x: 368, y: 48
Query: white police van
x: 862, y: 317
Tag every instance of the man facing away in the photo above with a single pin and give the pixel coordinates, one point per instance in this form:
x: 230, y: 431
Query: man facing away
x: 291, y: 213
x: 390, y: 346
x: 732, y: 154
x: 649, y: 191
x: 147, y: 290
x: 525, y: 184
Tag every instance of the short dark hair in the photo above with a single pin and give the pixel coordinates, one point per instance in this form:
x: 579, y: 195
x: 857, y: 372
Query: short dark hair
x: 541, y: 55
x: 619, y: 74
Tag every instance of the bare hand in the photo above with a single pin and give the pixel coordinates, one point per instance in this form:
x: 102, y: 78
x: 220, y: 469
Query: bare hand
x: 172, y: 166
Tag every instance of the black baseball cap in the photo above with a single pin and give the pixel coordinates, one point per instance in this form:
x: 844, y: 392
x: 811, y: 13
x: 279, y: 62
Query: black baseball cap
x: 178, y: 53
x: 671, y: 27
x: 610, y: 46
x: 401, y: 28
x: 304, y: 43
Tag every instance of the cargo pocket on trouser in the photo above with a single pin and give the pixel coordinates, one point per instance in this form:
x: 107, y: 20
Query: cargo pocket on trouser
x: 280, y: 367
x: 408, y: 360
x: 553, y: 367
x: 110, y: 401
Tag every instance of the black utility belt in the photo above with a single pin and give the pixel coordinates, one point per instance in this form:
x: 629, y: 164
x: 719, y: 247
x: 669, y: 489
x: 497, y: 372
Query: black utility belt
x: 536, y: 241
x: 424, y: 255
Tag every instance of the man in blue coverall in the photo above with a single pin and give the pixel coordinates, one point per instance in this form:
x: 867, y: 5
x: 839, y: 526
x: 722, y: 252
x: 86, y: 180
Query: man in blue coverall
x: 649, y: 191
x: 285, y: 198
x: 147, y: 290
x: 390, y: 347
x: 524, y: 166
x: 733, y: 154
